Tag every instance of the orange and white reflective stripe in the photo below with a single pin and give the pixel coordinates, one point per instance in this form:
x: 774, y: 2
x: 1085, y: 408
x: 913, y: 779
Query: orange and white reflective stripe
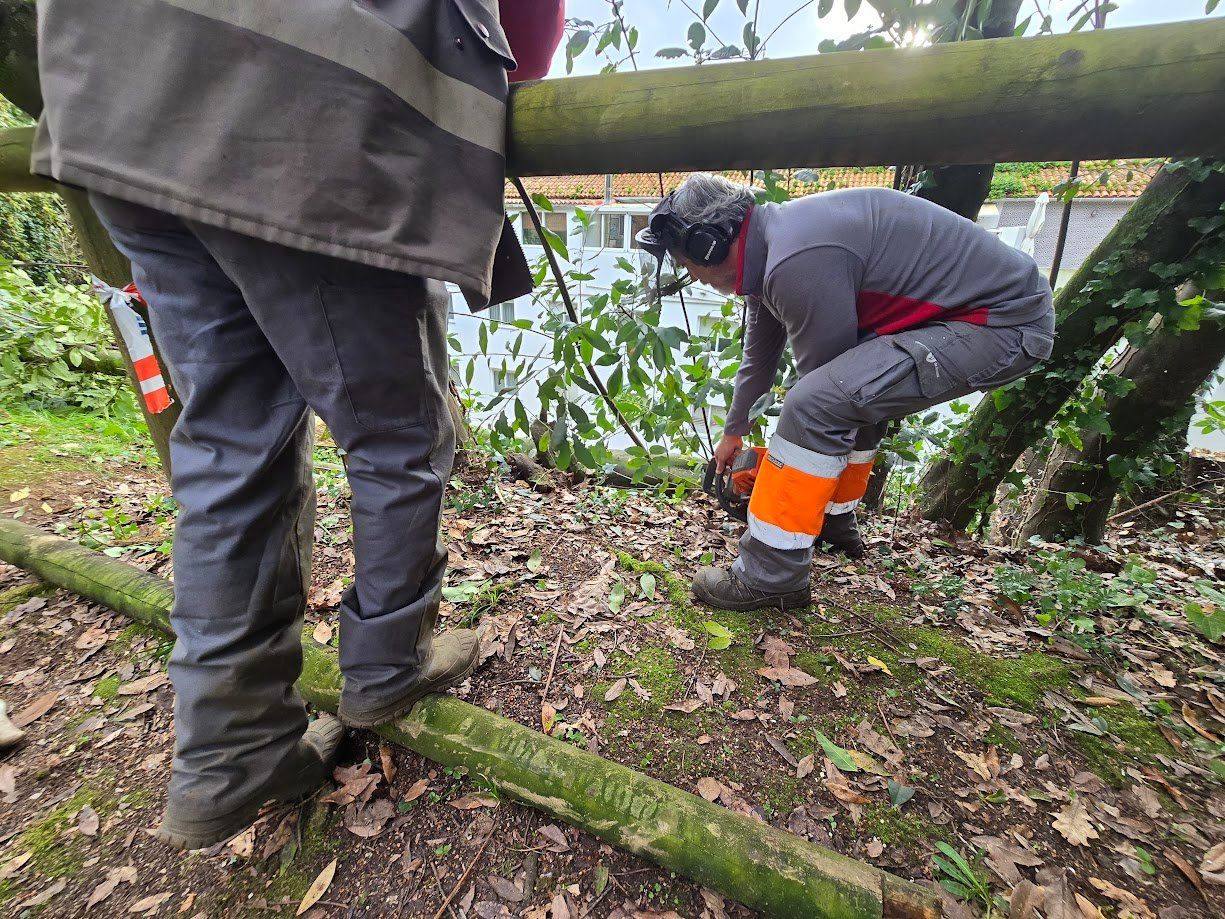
x: 853, y: 483
x: 140, y: 346
x: 789, y: 497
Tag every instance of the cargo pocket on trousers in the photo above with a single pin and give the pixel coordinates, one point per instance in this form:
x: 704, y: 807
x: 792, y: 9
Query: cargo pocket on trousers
x: 933, y: 380
x: 1032, y: 348
x: 376, y: 333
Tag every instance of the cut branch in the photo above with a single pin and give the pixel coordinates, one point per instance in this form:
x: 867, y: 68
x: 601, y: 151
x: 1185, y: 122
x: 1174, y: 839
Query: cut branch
x: 764, y: 868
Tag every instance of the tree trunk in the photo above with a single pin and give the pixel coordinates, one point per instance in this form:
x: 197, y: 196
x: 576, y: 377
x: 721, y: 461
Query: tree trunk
x: 1059, y: 97
x: 1120, y: 282
x: 1167, y: 370
x: 19, y: 56
x: 764, y: 868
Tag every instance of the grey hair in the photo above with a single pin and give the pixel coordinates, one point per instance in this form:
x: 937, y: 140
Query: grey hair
x: 707, y: 198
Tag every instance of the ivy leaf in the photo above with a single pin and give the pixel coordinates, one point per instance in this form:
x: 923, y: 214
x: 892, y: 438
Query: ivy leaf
x: 744, y: 7
x: 709, y: 7
x: 852, y: 7
x: 671, y: 53
x: 823, y: 8
x: 617, y: 597
x: 899, y: 794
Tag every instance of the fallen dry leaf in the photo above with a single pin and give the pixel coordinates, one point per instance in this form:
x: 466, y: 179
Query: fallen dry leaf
x: 615, y: 690
x: 243, y: 845
x: 507, y: 890
x: 805, y: 766
x: 1213, y: 866
x: 472, y: 802
x: 689, y: 706
x: 879, y: 664
x: 556, y: 835
x: 417, y: 790
x: 318, y: 888
x: 788, y: 676
x: 709, y: 788
x: 45, y: 896
x: 387, y: 761
x: 144, y: 684
x: 548, y: 717
x: 114, y: 878
x: 1074, y: 825
x: 1129, y: 901
x: 1189, y: 717
x: 35, y: 710
x: 1187, y: 869
x: 150, y: 903
x: 322, y: 633
x: 87, y: 821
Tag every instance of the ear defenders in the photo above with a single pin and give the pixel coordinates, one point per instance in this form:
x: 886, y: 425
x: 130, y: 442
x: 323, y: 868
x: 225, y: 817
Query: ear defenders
x: 700, y: 243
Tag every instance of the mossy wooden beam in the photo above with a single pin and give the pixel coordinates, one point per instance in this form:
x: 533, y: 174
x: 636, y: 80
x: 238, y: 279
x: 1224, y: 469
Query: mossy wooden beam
x: 764, y: 868
x: 1145, y: 91
x: 15, y: 163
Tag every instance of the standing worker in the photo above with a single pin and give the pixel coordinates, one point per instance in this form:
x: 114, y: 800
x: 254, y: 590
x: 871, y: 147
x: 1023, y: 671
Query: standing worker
x: 891, y: 303
x: 293, y: 180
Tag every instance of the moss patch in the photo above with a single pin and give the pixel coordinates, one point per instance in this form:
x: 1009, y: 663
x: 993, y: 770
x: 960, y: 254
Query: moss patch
x: 656, y: 671
x: 1140, y: 742
x: 313, y: 847
x: 51, y: 853
x: 897, y: 828
x: 15, y: 596
x: 107, y: 688
x: 1001, y: 736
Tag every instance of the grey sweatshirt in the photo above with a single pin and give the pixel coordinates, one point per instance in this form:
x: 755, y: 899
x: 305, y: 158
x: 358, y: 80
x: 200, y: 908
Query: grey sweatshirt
x: 834, y: 269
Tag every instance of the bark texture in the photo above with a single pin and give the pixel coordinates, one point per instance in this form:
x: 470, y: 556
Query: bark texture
x: 1120, y: 282
x: 1167, y: 370
x: 764, y: 868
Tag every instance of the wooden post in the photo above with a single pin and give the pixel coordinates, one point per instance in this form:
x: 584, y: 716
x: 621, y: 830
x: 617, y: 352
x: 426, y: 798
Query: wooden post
x: 765, y: 868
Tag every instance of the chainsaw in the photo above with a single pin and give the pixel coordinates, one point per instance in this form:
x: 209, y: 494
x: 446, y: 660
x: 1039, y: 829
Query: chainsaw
x: 733, y: 486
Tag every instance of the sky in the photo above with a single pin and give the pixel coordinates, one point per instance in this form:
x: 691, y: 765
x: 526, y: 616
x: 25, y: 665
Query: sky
x: 664, y: 23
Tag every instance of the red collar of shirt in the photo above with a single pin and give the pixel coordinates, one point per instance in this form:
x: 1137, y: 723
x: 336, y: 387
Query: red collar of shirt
x: 743, y: 237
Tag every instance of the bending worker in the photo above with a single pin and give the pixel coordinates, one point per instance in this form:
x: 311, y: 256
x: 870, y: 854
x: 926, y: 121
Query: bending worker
x: 891, y: 304
x: 293, y: 182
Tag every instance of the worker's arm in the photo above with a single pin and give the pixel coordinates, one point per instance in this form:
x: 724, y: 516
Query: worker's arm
x: 764, y: 339
x: 534, y: 29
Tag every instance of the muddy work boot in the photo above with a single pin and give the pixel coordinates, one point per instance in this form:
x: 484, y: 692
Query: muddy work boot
x: 840, y: 533
x: 720, y: 588
x: 195, y: 825
x: 453, y: 655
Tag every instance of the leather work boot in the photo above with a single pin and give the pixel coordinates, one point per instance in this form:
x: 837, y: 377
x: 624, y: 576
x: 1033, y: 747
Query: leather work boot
x: 187, y: 825
x: 840, y: 533
x: 720, y: 588
x: 453, y: 655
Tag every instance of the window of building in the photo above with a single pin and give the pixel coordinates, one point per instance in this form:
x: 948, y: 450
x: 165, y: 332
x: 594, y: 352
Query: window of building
x: 638, y: 222
x: 552, y: 220
x: 505, y: 379
x: 502, y: 312
x: 605, y: 231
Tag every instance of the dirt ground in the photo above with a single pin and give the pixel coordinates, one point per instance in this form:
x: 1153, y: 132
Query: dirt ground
x: 1052, y: 715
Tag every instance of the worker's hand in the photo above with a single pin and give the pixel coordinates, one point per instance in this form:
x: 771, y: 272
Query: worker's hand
x: 726, y: 451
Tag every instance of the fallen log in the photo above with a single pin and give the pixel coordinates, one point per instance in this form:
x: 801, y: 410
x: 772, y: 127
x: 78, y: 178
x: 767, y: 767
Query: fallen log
x: 765, y: 868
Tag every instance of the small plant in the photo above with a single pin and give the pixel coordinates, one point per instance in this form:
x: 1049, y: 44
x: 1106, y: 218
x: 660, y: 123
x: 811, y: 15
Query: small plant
x: 473, y: 599
x: 1210, y: 621
x: 721, y: 637
x: 963, y: 881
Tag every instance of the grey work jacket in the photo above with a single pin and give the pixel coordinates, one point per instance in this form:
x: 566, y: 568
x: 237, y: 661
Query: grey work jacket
x: 368, y: 130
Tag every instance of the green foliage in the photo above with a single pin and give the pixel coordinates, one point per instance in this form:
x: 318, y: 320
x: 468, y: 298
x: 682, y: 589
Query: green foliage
x: 34, y: 228
x: 1209, y: 622
x: 53, y: 351
x: 1067, y: 595
x: 963, y: 880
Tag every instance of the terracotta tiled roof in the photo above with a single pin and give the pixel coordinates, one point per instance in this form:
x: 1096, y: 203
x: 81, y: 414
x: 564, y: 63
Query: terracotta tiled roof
x: 1126, y: 179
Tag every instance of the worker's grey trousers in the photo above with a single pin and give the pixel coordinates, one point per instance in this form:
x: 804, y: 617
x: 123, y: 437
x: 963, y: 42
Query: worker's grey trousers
x: 256, y: 335
x: 844, y: 405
